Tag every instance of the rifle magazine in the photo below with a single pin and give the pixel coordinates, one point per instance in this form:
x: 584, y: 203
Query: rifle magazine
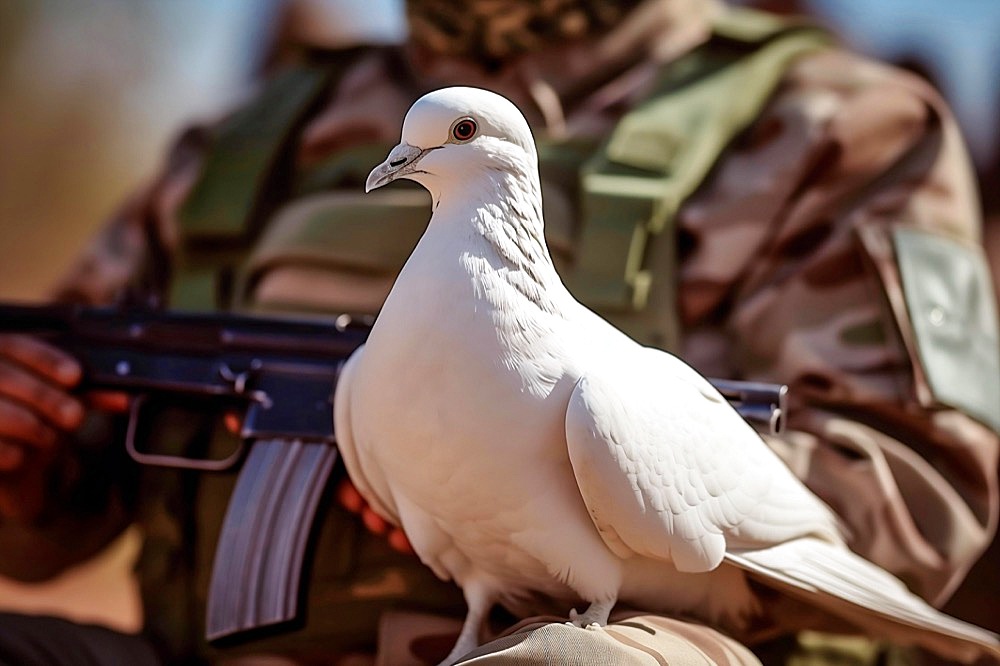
x: 259, y: 558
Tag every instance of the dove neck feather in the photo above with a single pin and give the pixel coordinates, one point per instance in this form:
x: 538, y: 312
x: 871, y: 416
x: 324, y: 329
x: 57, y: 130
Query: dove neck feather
x: 502, y: 202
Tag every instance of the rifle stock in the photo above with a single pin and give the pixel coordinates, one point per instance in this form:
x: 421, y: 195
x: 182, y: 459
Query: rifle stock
x: 283, y: 374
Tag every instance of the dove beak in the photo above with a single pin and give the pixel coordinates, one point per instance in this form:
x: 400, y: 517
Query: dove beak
x: 402, y: 160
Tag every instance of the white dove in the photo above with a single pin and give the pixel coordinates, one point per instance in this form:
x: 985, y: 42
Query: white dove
x: 529, y: 449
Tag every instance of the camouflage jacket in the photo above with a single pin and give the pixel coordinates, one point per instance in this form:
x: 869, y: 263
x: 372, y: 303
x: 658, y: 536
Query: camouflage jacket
x: 787, y: 264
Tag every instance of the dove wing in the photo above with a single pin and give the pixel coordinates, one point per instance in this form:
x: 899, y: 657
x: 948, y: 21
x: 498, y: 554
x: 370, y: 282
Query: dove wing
x: 669, y: 470
x: 369, y: 481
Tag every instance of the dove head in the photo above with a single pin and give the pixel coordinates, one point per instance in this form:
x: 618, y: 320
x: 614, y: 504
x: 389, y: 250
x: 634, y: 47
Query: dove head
x: 452, y: 134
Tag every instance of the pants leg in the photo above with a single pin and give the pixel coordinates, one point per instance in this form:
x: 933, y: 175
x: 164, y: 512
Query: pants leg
x: 27, y: 640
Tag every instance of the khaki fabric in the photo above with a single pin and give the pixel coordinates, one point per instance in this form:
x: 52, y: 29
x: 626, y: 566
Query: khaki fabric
x: 645, y: 639
x: 413, y: 639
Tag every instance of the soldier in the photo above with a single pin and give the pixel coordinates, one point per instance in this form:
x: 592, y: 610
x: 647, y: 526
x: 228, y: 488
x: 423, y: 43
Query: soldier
x: 719, y: 183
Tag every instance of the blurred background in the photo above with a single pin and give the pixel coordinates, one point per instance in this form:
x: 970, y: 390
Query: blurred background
x: 92, y: 92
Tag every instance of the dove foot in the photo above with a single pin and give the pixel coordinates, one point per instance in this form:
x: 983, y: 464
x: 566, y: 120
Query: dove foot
x: 467, y: 641
x: 596, y: 614
x: 479, y: 599
x: 462, y: 648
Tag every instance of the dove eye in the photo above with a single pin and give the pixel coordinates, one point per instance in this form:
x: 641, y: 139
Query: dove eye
x: 464, y: 129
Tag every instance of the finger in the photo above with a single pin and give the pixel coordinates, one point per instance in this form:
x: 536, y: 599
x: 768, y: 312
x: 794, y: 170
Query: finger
x: 43, y: 358
x: 55, y: 405
x: 108, y: 401
x: 20, y: 423
x: 233, y: 422
x: 375, y: 523
x: 11, y: 456
x: 398, y: 541
x: 349, y: 497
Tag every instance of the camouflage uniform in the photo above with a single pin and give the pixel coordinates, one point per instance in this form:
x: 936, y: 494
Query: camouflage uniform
x: 792, y: 261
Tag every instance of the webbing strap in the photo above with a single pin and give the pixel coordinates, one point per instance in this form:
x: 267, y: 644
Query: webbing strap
x: 244, y: 151
x: 220, y: 215
x: 661, y: 152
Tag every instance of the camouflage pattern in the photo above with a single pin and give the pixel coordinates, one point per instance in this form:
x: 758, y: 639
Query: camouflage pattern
x: 778, y: 282
x: 782, y: 275
x: 490, y: 32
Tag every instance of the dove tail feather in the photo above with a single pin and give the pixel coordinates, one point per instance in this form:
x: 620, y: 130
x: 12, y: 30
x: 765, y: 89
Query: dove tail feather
x: 853, y: 589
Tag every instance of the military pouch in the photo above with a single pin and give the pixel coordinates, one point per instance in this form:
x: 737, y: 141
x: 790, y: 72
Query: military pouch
x: 941, y: 296
x: 336, y: 252
x: 335, y: 249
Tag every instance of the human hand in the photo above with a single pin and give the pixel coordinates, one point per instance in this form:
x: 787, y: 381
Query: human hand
x: 351, y: 499
x: 36, y: 406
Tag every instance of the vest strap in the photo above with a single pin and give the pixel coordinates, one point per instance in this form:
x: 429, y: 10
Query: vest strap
x: 248, y: 153
x: 661, y: 152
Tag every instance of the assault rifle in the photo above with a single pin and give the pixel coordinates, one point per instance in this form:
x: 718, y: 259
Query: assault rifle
x: 281, y: 374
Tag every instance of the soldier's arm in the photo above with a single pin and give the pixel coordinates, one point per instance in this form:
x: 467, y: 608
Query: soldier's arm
x: 856, y: 169
x: 62, y: 488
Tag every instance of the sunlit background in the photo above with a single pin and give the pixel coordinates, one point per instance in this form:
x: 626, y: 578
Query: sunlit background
x: 93, y: 91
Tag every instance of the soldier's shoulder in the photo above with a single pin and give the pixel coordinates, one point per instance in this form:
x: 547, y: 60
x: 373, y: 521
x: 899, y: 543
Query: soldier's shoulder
x: 841, y: 71
x: 845, y: 101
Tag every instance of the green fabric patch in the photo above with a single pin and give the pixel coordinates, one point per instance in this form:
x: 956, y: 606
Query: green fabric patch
x: 952, y: 307
x: 245, y: 149
x: 364, y: 234
x: 241, y: 171
x: 867, y: 333
x: 344, y: 169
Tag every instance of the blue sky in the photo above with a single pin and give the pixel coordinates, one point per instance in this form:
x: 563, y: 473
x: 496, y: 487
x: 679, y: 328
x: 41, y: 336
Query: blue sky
x: 959, y: 40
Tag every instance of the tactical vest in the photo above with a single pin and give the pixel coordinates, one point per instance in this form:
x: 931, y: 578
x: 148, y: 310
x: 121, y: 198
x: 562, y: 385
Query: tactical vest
x: 258, y: 236
x: 602, y: 219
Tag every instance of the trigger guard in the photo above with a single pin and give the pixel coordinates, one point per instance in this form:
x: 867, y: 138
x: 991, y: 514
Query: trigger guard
x: 175, y: 462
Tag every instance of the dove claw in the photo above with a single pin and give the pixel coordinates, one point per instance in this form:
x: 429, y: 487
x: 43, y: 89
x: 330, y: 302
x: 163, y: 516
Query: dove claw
x: 577, y: 620
x: 595, y: 615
